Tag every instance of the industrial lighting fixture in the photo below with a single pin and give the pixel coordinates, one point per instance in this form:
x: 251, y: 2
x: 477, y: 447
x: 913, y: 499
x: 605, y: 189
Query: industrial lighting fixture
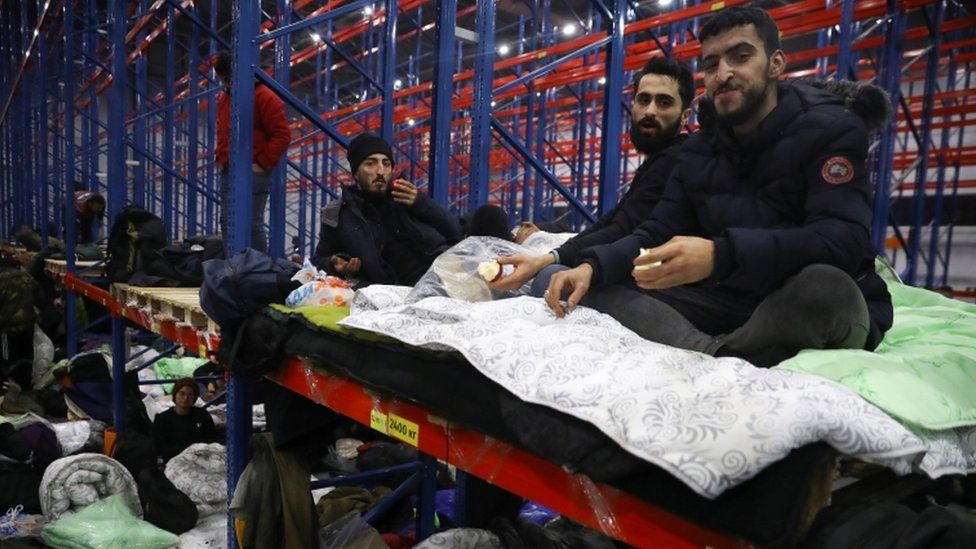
x: 367, y: 11
x: 602, y: 80
x: 664, y: 3
x: 397, y: 84
x: 503, y: 49
x: 569, y: 29
x: 316, y: 37
x: 410, y: 122
x: 492, y: 103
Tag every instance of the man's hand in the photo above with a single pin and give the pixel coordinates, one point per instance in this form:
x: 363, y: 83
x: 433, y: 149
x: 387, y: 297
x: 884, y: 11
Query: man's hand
x: 526, y: 267
x: 347, y: 268
x: 256, y: 168
x: 403, y: 192
x: 684, y: 260
x: 577, y: 280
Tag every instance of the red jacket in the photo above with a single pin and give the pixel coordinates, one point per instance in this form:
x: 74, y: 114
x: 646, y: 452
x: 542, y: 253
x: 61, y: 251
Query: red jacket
x: 272, y: 134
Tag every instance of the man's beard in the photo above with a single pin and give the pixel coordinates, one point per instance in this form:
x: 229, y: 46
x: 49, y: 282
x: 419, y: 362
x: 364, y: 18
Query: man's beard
x: 650, y: 144
x: 752, y: 100
x: 374, y: 195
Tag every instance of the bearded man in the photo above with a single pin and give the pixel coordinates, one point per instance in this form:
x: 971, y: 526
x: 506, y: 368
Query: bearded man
x: 663, y: 92
x: 761, y: 245
x: 381, y: 229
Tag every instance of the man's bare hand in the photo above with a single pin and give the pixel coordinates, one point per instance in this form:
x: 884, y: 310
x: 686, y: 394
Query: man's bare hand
x: 347, y: 268
x: 577, y: 281
x: 403, y: 192
x: 684, y: 260
x: 526, y: 267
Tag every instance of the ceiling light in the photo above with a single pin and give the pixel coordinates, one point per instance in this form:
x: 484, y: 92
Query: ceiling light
x: 316, y: 36
x: 492, y: 103
x: 397, y: 84
x: 410, y: 122
x: 569, y: 29
x: 664, y: 3
x: 503, y: 49
x: 367, y: 11
x: 602, y: 80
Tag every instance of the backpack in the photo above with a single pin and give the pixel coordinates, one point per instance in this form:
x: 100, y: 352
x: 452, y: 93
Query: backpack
x: 163, y: 504
x: 135, y: 233
x: 135, y: 451
x: 242, y: 285
x: 254, y: 348
x: 18, y: 291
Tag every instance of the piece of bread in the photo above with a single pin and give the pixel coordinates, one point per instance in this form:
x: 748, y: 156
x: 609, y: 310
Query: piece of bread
x: 645, y: 251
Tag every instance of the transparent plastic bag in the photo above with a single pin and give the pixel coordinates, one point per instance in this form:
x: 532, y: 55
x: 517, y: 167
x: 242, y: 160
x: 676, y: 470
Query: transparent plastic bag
x: 43, y: 356
x: 455, y: 272
x: 319, y: 288
x: 18, y: 524
x: 106, y: 523
x: 350, y: 531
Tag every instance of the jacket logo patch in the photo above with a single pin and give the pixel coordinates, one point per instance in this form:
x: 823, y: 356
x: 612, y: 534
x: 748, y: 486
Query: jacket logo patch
x: 837, y: 170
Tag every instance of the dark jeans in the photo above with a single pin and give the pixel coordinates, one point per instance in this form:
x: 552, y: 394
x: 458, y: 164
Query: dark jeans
x: 819, y: 308
x: 259, y: 202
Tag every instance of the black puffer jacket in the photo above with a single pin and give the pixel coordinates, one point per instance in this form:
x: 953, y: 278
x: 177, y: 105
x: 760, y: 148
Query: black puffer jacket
x: 793, y: 194
x: 633, y: 209
x: 420, y: 232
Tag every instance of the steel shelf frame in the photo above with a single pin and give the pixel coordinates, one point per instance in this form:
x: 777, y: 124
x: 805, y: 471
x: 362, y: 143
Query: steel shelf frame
x: 540, y: 131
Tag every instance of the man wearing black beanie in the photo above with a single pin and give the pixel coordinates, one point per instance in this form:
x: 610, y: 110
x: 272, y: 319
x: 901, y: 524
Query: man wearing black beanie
x: 381, y: 229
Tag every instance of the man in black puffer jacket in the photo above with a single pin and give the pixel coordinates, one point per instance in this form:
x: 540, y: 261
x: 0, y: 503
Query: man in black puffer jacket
x: 761, y: 245
x: 382, y: 230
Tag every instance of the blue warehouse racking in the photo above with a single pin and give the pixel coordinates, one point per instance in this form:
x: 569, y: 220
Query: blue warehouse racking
x: 485, y: 104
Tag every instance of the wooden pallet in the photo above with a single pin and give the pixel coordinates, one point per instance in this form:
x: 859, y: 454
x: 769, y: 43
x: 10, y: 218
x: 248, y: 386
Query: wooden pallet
x: 59, y: 267
x: 179, y: 304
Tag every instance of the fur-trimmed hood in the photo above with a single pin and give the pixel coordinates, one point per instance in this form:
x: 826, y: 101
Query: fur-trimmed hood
x: 868, y: 101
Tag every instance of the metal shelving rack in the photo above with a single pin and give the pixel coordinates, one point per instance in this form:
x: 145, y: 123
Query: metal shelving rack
x: 539, y: 129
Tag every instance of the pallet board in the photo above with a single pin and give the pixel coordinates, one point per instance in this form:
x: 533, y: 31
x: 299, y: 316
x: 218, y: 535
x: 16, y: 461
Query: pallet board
x: 180, y: 304
x: 59, y: 267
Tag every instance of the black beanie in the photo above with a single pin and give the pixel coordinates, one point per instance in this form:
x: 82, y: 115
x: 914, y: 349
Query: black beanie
x: 490, y: 220
x: 364, y: 146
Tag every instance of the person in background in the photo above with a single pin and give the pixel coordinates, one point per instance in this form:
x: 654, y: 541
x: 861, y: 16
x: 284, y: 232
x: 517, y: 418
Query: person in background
x: 272, y: 135
x: 663, y: 92
x: 184, y: 424
x: 381, y: 229
x: 489, y: 220
x: 90, y: 210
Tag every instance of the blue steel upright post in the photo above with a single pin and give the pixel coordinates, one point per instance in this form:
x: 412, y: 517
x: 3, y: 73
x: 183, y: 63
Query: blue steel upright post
x: 389, y: 63
x: 921, y: 174
x: 440, y: 128
x: 480, y: 172
x: 846, y: 69
x: 279, y: 175
x: 612, y: 110
x: 246, y: 17
x: 891, y: 82
x: 117, y: 185
x: 70, y: 154
x: 169, y: 121
x: 193, y: 185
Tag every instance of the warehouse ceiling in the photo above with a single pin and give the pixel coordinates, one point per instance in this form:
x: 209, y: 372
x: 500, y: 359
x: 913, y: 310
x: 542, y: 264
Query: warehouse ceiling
x: 561, y: 14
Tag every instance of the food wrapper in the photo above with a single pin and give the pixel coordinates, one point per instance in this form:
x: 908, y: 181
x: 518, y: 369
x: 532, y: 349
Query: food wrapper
x: 319, y: 288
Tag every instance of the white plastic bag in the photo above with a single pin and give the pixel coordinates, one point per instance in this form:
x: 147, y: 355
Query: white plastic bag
x: 455, y: 272
x: 43, y: 356
x: 319, y: 288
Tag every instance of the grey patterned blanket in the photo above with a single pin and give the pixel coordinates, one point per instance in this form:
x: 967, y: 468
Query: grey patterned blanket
x: 712, y: 423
